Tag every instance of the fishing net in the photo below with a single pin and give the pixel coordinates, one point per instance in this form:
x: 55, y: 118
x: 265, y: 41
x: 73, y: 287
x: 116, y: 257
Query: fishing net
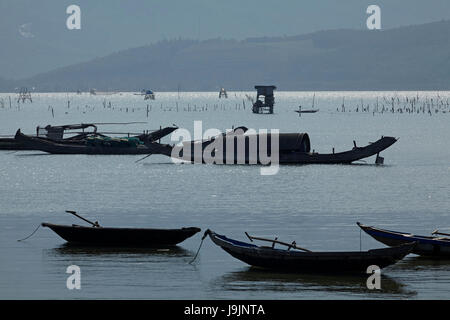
x: 122, y: 142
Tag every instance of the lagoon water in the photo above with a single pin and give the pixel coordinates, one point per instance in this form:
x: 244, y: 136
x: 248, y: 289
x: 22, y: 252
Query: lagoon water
x: 316, y: 205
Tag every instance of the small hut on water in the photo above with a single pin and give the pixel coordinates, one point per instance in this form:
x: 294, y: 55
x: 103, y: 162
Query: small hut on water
x: 266, y: 106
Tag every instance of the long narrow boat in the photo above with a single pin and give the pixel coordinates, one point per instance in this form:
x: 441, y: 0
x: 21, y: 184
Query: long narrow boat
x: 52, y: 133
x: 122, y: 236
x: 97, y: 144
x: 431, y: 246
x: 307, y: 111
x: 355, y: 262
x: 293, y: 148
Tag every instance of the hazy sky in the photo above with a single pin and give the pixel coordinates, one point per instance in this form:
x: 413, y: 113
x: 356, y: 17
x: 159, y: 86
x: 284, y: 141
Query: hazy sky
x: 111, y: 25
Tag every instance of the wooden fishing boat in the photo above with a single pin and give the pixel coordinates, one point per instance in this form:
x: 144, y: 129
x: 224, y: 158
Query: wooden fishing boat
x: 93, y: 144
x: 431, y: 246
x: 66, y: 135
x: 355, y: 262
x: 307, y: 111
x: 121, y: 236
x: 52, y: 133
x: 293, y: 148
x: 148, y: 94
x: 312, y: 110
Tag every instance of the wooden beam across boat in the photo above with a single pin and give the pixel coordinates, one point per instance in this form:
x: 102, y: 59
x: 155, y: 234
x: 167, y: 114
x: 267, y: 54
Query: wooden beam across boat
x: 440, y: 233
x: 289, y: 245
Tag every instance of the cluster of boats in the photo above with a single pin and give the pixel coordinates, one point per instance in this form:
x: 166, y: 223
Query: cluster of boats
x: 293, y: 148
x: 291, y: 258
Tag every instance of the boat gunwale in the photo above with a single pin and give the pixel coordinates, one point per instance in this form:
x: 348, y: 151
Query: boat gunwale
x: 224, y: 242
x: 75, y: 226
x: 404, y: 235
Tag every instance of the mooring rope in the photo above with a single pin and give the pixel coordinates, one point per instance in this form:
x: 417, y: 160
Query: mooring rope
x: 143, y: 158
x: 31, y: 234
x: 199, y: 247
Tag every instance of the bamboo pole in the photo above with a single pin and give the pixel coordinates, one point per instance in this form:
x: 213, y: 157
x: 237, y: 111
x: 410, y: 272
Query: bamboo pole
x: 289, y: 245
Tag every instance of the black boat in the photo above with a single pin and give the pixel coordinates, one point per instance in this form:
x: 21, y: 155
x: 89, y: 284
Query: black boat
x: 430, y: 246
x: 293, y: 148
x: 93, y: 144
x: 307, y: 111
x: 52, y: 133
x: 288, y: 260
x: 100, y: 236
x: 140, y: 237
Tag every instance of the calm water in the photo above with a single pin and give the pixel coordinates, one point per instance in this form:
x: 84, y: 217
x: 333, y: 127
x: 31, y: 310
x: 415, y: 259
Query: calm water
x: 316, y: 205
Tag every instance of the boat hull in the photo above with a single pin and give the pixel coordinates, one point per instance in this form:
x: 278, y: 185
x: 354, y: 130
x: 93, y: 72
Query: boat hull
x: 122, y: 236
x: 286, y: 156
x: 311, y: 262
x: 426, y: 246
x: 11, y: 144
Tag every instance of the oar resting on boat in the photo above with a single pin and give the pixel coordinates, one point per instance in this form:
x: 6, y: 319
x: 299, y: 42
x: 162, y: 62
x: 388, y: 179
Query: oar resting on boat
x: 353, y: 262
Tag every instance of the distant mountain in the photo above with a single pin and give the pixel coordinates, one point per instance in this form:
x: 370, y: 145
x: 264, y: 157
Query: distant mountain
x: 6, y: 85
x: 406, y: 58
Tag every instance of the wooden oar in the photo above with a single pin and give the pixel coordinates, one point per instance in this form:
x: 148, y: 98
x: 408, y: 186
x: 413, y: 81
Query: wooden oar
x: 440, y: 233
x: 289, y: 245
x: 94, y: 224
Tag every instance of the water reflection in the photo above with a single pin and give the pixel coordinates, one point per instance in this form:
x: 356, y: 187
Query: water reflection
x: 253, y: 279
x: 99, y: 251
x: 416, y: 263
x: 32, y: 154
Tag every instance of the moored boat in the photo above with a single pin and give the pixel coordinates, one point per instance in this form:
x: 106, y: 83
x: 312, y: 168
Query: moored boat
x: 52, y: 133
x: 431, y: 246
x: 293, y: 148
x: 93, y: 144
x: 141, y: 237
x: 307, y: 111
x: 76, y: 134
x: 288, y: 260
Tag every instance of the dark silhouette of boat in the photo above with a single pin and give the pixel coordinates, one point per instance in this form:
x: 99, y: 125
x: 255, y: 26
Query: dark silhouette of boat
x: 121, y: 236
x: 430, y: 246
x: 94, y: 143
x: 11, y: 144
x: 288, y: 260
x: 53, y: 133
x: 307, y: 111
x: 294, y: 148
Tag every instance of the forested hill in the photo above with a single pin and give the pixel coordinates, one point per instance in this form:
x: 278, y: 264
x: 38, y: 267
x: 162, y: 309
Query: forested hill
x: 405, y: 58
